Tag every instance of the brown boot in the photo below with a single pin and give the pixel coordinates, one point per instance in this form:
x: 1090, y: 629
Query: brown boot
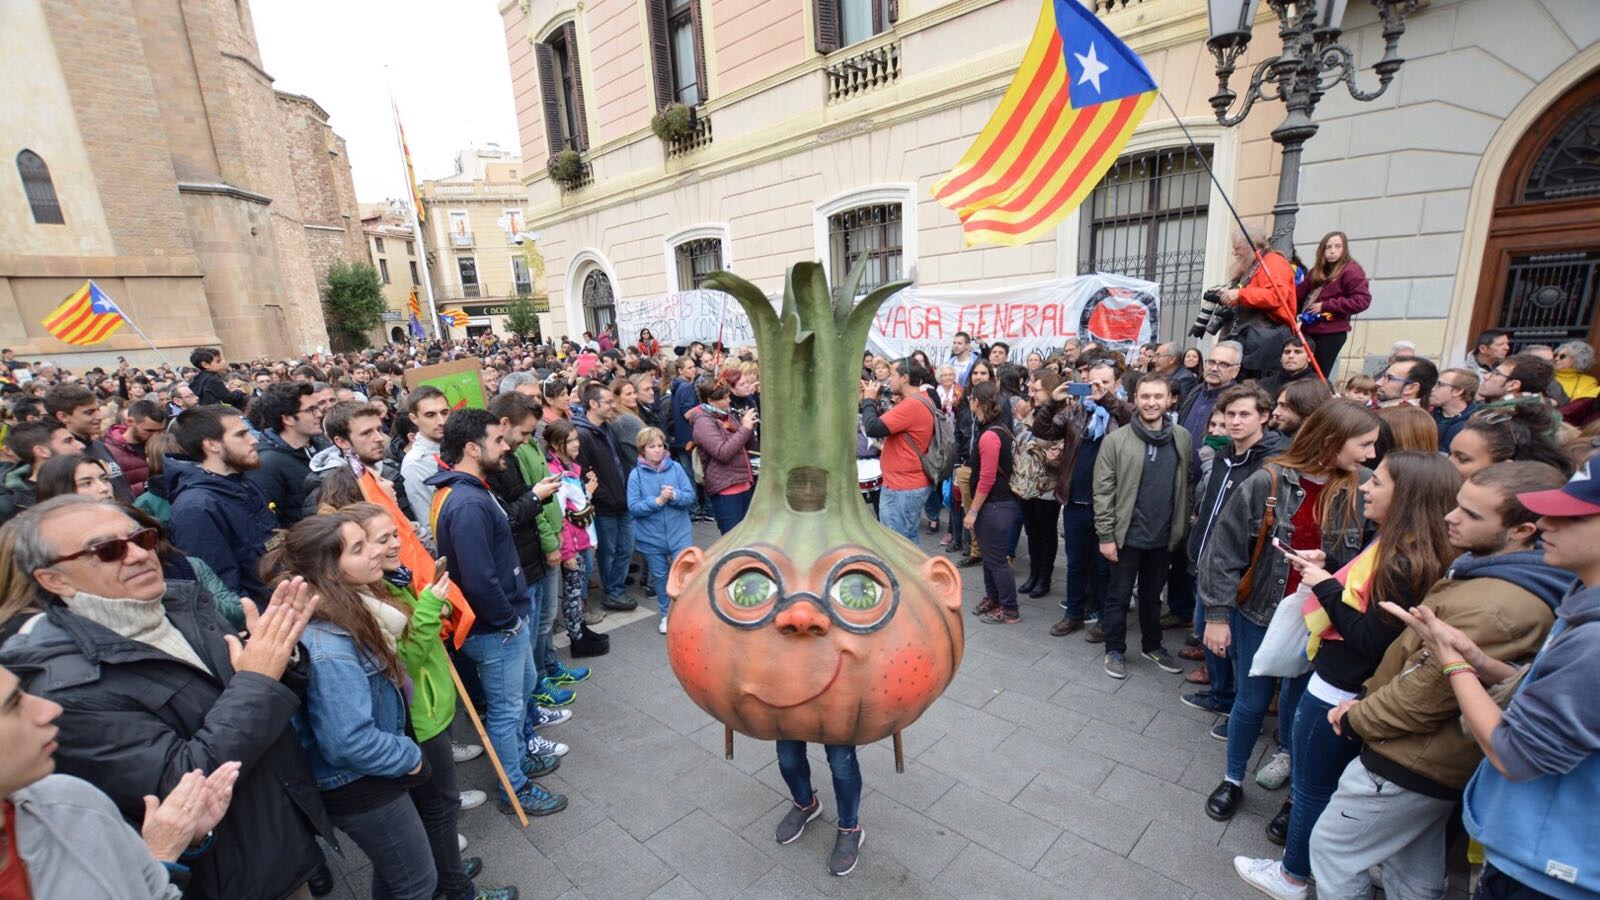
x: 1066, y: 626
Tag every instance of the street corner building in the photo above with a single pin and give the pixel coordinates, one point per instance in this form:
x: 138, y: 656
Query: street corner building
x: 148, y: 150
x: 667, y: 139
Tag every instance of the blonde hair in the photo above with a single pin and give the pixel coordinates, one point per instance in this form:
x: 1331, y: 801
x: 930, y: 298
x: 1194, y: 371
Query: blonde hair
x: 648, y: 436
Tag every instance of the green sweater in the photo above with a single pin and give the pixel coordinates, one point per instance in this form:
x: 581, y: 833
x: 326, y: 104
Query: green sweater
x: 532, y: 465
x: 421, y: 651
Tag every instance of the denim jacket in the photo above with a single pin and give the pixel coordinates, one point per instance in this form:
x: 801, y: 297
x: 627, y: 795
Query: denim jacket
x: 1233, y: 539
x: 353, y: 723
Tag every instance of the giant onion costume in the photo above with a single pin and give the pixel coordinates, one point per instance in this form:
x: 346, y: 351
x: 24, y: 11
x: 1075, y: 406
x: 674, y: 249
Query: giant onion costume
x: 810, y: 621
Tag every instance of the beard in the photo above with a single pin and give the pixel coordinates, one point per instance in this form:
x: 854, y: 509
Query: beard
x: 495, y: 465
x: 242, y: 462
x: 1487, y: 547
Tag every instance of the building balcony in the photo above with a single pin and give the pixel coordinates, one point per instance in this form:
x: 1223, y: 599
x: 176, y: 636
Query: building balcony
x: 460, y: 239
x: 863, y: 72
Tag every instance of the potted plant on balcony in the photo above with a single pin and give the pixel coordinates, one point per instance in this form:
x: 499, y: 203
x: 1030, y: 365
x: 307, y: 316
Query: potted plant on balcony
x: 566, y: 167
x: 674, y: 123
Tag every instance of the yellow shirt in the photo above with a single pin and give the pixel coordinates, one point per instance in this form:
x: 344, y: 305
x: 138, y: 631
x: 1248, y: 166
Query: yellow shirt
x: 1578, y: 385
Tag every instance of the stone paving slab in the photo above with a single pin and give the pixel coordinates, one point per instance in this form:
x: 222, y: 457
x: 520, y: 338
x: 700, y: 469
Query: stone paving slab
x: 1035, y: 775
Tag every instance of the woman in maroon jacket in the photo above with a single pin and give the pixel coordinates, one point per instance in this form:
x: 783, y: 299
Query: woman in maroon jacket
x: 1333, y: 290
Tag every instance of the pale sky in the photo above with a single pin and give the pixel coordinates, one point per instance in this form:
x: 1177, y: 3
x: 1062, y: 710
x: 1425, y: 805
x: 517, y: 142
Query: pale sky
x: 446, y: 61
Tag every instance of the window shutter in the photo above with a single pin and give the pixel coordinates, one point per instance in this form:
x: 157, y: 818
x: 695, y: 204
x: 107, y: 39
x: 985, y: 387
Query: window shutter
x: 825, y: 16
x: 699, y: 50
x: 549, y: 90
x: 582, y: 137
x: 660, y: 52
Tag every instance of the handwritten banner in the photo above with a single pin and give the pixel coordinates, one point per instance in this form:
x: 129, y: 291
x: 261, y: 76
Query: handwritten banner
x: 677, y: 319
x: 1113, y: 309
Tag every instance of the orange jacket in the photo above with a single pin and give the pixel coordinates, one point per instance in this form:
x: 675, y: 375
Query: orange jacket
x: 414, y: 556
x: 1271, y: 289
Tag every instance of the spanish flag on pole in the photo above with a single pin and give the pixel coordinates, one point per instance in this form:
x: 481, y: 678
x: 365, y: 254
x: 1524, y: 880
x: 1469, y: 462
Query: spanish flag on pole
x: 87, y: 317
x: 1076, y: 99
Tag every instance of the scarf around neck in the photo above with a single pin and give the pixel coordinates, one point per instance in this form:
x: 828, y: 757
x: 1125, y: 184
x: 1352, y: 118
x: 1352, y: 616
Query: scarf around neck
x: 144, y: 621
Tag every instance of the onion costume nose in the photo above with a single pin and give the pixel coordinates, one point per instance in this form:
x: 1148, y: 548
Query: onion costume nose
x: 803, y: 619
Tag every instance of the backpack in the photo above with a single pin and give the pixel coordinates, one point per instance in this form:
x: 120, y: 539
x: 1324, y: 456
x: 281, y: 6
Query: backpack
x: 940, y: 456
x: 1031, y: 476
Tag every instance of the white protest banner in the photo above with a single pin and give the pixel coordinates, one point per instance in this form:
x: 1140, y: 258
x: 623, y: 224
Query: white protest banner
x: 1115, y: 310
x: 676, y: 319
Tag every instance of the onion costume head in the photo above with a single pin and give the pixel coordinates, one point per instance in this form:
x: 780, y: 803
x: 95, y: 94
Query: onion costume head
x: 810, y: 621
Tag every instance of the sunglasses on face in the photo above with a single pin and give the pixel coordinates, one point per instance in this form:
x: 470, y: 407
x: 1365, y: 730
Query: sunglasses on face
x: 115, y: 550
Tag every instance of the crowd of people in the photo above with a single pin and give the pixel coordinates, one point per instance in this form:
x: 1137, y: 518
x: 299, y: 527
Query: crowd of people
x: 237, y: 599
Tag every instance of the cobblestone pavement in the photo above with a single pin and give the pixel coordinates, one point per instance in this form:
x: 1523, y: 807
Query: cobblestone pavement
x: 1035, y: 775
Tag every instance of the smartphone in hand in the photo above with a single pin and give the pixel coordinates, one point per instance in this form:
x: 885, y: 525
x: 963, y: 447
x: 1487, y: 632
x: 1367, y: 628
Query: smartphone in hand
x: 1286, y: 550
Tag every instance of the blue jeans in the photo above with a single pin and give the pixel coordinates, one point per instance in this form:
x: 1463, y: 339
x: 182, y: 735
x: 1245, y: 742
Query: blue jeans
x: 615, y: 535
x: 1087, y: 571
x: 544, y: 646
x: 1014, y: 537
x: 1218, y: 668
x: 935, y: 502
x: 898, y: 510
x: 392, y: 836
x: 1316, y: 760
x: 729, y: 509
x: 796, y: 770
x: 1253, y: 696
x: 505, y: 666
x: 659, y: 561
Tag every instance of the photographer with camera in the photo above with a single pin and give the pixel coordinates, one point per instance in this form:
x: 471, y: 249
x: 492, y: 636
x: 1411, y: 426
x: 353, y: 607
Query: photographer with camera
x: 1258, y: 312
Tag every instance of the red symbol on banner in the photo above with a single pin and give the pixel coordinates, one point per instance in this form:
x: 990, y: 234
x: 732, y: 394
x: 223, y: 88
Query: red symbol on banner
x: 1119, y: 323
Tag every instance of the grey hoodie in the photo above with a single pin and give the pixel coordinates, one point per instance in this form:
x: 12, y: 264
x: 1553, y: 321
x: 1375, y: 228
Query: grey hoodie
x: 76, y: 844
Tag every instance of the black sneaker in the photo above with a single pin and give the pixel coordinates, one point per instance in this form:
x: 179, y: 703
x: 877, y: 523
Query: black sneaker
x: 794, y: 821
x: 1203, y: 701
x: 1163, y: 660
x: 846, y: 851
x: 1219, y: 731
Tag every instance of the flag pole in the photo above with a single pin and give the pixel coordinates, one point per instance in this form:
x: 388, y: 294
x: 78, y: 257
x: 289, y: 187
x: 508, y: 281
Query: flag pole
x: 137, y: 330
x: 416, y: 198
x: 1294, y: 321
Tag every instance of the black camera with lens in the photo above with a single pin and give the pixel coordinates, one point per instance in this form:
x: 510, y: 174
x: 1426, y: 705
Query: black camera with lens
x: 1214, y: 315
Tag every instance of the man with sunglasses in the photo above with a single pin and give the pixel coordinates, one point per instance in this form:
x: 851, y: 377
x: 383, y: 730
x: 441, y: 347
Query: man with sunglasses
x: 153, y: 684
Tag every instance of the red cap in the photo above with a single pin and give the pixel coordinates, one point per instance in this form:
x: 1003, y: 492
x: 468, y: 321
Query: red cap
x: 1578, y: 497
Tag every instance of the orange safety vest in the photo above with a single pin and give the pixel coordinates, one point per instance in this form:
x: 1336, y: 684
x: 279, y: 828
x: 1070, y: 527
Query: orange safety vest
x: 458, y: 622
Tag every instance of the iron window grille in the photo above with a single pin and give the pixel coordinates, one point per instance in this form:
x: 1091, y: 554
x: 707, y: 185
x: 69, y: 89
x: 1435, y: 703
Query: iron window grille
x: 1147, y: 218
x: 871, y: 232
x: 696, y: 259
x: 599, y: 301
x: 40, y: 190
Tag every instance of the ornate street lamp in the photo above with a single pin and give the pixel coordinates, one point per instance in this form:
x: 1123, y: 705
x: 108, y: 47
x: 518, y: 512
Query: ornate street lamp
x: 1311, y: 64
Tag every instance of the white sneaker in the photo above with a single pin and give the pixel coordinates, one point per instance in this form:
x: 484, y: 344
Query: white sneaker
x: 1274, y: 773
x: 465, y: 752
x: 663, y: 626
x: 473, y: 799
x: 1266, y: 876
x: 461, y: 841
x: 542, y: 746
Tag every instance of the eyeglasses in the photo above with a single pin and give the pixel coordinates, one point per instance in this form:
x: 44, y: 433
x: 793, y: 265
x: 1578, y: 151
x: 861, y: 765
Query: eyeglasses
x: 1220, y: 364
x: 114, y: 550
x: 1495, y: 373
x: 1386, y: 377
x: 1563, y: 356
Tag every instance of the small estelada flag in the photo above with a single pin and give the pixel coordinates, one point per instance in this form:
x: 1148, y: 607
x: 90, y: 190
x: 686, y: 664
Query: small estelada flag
x: 86, y: 317
x: 413, y: 306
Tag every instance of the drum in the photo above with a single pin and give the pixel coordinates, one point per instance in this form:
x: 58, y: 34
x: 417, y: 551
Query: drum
x: 869, y: 476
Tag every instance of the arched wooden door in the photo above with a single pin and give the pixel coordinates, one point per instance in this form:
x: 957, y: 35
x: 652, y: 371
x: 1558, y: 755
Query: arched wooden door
x: 1541, y: 264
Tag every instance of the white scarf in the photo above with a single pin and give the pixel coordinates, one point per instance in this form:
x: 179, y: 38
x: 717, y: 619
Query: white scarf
x: 144, y: 621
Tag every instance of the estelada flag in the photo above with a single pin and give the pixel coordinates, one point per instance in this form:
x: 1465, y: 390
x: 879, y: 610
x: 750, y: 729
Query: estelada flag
x: 87, y: 317
x: 412, y: 306
x: 1076, y: 99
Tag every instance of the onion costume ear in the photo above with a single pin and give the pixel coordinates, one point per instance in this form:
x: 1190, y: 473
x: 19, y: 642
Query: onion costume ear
x: 684, y: 568
x: 945, y: 580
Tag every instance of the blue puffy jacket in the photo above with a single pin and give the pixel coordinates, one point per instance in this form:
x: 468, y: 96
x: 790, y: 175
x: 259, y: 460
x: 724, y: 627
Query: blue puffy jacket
x: 660, y: 529
x: 684, y: 398
x: 1531, y: 818
x: 475, y: 533
x: 353, y: 724
x: 224, y: 520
